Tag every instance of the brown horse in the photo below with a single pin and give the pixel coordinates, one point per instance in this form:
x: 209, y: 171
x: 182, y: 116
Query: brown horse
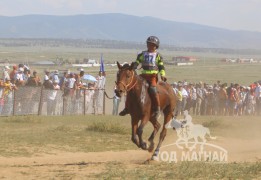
x: 140, y: 105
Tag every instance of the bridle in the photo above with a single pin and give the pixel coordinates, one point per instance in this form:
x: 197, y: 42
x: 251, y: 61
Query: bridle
x: 128, y: 87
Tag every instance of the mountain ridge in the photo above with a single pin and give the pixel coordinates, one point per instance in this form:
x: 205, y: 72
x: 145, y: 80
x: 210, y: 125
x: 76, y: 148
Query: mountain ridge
x: 122, y: 27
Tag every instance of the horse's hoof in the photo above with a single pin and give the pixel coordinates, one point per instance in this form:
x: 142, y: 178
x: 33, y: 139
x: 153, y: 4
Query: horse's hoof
x: 144, y: 146
x: 151, y: 147
x: 155, y: 158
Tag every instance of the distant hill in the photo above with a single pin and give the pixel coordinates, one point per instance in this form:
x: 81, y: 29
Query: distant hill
x: 123, y: 27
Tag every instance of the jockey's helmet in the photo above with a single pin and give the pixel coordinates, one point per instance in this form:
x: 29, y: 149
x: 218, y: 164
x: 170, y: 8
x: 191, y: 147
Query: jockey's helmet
x: 153, y: 40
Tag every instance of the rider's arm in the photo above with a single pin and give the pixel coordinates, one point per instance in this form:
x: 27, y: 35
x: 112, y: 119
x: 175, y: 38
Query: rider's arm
x: 138, y: 60
x: 159, y: 61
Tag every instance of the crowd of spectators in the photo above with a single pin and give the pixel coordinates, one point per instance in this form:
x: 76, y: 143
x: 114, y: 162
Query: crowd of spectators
x: 70, y: 85
x: 198, y: 98
x: 218, y: 99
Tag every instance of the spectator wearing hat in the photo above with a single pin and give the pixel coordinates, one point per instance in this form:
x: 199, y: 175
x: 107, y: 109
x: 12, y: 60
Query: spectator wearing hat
x: 6, y: 73
x: 52, y: 98
x: 55, y: 76
x: 175, y: 87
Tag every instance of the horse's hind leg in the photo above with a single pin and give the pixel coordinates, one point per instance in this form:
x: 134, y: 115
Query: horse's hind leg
x: 156, y: 126
x: 167, y: 117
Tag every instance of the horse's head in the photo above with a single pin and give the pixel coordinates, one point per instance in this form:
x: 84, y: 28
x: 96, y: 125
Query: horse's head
x: 125, y: 79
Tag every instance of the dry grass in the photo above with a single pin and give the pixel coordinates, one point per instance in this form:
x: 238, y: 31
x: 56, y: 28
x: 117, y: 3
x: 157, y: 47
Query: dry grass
x: 184, y: 170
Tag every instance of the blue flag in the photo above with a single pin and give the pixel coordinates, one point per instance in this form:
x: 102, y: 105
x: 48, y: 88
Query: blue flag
x: 102, y: 65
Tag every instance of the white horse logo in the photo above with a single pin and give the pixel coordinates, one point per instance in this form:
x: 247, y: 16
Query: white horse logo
x: 186, y: 131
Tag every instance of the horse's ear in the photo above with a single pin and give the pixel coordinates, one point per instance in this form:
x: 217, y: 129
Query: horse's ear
x: 132, y: 66
x: 119, y: 65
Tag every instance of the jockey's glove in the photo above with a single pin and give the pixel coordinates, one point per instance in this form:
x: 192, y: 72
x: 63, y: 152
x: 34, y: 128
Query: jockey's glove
x: 163, y: 78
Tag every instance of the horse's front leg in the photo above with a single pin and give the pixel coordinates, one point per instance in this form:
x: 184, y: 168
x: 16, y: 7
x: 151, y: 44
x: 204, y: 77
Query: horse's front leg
x: 167, y: 118
x: 143, y: 144
x: 134, y: 125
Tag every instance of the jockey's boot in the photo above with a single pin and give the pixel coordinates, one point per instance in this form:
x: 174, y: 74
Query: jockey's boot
x: 155, y: 106
x: 124, y: 112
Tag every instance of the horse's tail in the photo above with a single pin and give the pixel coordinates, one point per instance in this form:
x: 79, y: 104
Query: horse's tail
x: 208, y: 132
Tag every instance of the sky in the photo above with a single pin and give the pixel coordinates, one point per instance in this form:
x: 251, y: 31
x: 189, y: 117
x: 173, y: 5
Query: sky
x: 229, y: 14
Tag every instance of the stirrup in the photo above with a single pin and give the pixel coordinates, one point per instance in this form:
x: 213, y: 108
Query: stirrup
x: 124, y: 112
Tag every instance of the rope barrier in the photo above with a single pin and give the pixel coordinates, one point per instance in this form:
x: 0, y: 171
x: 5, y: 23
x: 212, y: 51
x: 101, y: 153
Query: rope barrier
x: 107, y: 95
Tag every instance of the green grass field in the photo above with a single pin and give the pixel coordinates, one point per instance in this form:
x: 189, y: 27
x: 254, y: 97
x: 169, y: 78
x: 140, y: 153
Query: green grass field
x: 68, y: 133
x: 208, y: 69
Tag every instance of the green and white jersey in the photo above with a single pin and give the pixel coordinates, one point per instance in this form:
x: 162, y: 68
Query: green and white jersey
x: 152, y: 62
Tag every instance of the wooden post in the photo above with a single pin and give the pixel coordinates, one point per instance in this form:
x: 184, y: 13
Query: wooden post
x: 84, y: 102
x: 40, y: 102
x: 103, y: 101
x: 63, y: 105
x: 13, y: 102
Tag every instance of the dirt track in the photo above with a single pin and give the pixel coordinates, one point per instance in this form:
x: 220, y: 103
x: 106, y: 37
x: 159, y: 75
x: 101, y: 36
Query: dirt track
x: 242, y: 141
